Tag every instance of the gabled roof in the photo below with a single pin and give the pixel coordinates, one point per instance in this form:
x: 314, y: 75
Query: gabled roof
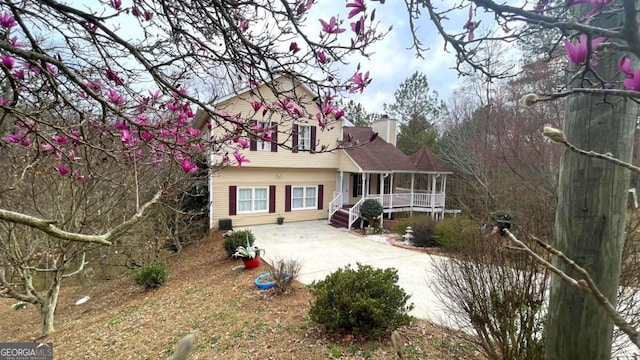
x: 426, y: 161
x: 273, y: 81
x: 379, y: 155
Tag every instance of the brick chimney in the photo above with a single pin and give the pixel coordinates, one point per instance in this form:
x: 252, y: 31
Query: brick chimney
x: 386, y: 128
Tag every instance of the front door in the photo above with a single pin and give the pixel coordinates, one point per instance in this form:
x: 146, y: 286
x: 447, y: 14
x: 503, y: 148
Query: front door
x: 345, y: 188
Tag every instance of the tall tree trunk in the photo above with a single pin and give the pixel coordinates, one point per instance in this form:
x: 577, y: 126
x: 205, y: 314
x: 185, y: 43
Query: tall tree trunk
x: 590, y: 216
x: 47, y: 307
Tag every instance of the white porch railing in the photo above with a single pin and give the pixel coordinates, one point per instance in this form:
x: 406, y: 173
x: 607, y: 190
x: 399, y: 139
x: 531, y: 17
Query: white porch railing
x: 421, y: 199
x: 354, y: 212
x: 335, y: 204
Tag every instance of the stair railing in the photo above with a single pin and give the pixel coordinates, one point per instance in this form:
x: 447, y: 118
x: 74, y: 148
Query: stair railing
x: 354, y: 213
x: 335, y: 205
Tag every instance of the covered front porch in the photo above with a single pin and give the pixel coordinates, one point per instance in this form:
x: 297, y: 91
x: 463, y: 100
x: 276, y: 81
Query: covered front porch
x: 396, y: 191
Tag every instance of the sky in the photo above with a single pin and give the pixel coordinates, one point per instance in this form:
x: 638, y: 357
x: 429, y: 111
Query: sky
x: 393, y: 61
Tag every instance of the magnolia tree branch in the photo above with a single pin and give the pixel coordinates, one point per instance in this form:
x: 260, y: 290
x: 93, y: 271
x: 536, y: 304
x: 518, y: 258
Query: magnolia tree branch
x: 585, y: 284
x: 558, y: 136
x: 48, y: 227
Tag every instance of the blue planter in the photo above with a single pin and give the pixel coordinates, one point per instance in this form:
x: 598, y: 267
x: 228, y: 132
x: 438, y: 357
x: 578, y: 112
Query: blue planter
x: 265, y: 285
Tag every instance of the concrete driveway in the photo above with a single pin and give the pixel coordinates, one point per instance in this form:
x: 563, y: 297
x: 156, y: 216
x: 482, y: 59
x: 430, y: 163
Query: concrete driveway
x: 322, y: 249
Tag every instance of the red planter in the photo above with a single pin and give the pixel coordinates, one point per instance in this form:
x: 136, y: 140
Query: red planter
x: 251, y: 263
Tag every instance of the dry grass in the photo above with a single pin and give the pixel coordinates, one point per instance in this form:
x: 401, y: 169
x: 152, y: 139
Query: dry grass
x: 230, y: 318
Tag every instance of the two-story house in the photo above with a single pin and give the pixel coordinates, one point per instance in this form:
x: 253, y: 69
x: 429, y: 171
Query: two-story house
x: 299, y: 182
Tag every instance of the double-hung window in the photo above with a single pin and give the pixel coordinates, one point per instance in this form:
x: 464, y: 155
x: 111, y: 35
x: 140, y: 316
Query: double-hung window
x: 261, y: 143
x: 304, y: 137
x: 304, y: 197
x: 253, y: 200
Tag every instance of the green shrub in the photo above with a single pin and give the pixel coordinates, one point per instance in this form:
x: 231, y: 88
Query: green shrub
x: 365, y: 301
x: 370, y: 210
x: 456, y: 233
x: 238, y: 238
x: 424, y: 228
x: 152, y: 276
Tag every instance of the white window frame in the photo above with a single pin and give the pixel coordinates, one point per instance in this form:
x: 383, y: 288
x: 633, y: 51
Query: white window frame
x: 253, y: 200
x: 304, y: 137
x: 305, y: 205
x: 262, y: 144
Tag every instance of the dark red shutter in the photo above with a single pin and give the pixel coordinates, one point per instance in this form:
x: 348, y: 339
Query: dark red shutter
x: 380, y: 179
x: 253, y: 142
x: 320, y: 196
x: 287, y: 198
x: 232, y: 199
x: 354, y: 191
x: 294, y: 138
x: 272, y: 198
x: 274, y: 138
x: 313, y: 139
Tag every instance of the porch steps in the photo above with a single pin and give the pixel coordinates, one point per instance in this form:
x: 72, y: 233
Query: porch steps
x: 341, y: 219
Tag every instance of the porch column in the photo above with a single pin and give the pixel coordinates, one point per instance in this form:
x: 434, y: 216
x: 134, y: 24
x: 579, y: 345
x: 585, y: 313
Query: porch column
x: 340, y: 186
x: 391, y: 175
x: 434, y: 180
x: 413, y: 175
x: 444, y: 187
x: 365, y: 188
x: 381, y: 180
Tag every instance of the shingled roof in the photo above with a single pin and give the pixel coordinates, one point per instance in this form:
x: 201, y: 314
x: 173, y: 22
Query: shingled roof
x: 379, y: 155
x: 426, y: 161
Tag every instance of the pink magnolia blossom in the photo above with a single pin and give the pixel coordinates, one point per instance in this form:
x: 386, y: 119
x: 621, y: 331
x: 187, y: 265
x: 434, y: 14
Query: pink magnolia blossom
x: 116, y: 98
x: 146, y: 135
x: 577, y: 53
x: 116, y: 4
x: 148, y: 15
x: 193, y: 132
x: 293, y: 47
x: 358, y: 7
x: 60, y: 139
x: 63, y: 170
x: 188, y: 166
x: 358, y: 26
x: 359, y: 82
x: 632, y: 81
x: 29, y: 66
x: 13, y: 138
x: 598, y: 5
x: 15, y: 42
x: 18, y: 74
x: 135, y: 11
x: 51, y: 69
x: 47, y: 147
x: 267, y: 134
x: 243, y: 143
x: 92, y: 27
x: 303, y: 8
x: 240, y: 158
x: 471, y: 25
x: 331, y: 27
x: 256, y: 105
x: 7, y: 20
x: 113, y: 76
x: 339, y: 114
x: 322, y: 57
x: 624, y: 64
x: 8, y: 61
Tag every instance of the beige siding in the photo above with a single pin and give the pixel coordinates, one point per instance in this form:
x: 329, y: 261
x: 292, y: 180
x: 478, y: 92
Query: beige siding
x: 246, y: 177
x: 283, y: 157
x: 345, y: 163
